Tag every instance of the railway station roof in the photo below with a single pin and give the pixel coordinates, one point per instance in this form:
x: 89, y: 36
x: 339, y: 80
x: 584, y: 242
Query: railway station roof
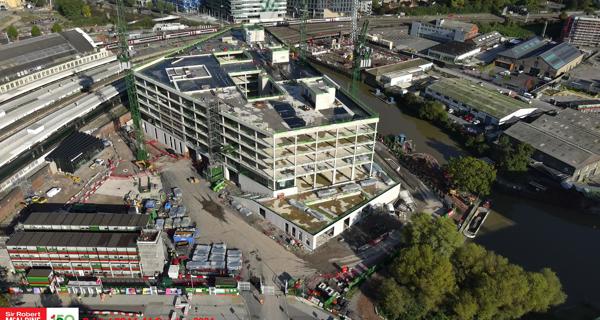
x: 37, y: 53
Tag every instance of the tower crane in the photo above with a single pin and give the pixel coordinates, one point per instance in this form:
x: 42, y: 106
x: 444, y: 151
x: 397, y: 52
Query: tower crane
x: 125, y: 59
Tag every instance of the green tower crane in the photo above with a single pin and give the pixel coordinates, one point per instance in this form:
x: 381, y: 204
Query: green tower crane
x: 303, y: 45
x: 360, y: 53
x: 125, y: 59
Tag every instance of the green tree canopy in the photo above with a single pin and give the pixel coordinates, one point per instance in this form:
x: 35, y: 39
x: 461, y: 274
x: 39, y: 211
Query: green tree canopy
x: 440, y: 234
x: 12, y: 32
x: 56, y: 27
x: 433, y: 111
x: 513, y: 158
x: 70, y: 8
x: 471, y: 175
x: 86, y: 11
x: 35, y: 31
x: 470, y: 283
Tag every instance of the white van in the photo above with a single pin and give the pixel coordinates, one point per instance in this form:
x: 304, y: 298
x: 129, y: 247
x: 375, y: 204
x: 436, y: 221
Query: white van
x: 52, y: 192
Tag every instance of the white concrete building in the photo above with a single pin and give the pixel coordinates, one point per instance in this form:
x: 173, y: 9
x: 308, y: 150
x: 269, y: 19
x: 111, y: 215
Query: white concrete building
x: 279, y: 54
x: 301, y: 140
x: 254, y: 33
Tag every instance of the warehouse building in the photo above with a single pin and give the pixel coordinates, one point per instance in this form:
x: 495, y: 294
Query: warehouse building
x: 540, y: 57
x: 400, y: 74
x: 567, y: 144
x: 582, y: 31
x: 281, y: 133
x: 487, y: 105
x: 453, y: 52
x: 77, y: 149
x: 487, y: 40
x: 444, y: 30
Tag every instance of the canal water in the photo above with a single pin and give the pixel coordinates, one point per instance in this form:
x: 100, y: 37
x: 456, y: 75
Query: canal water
x: 529, y: 233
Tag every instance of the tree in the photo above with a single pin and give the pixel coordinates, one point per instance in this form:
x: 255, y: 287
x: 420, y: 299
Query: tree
x: 56, y: 27
x: 427, y: 274
x: 4, y: 301
x: 12, y: 33
x: 439, y: 233
x: 86, y: 11
x: 471, y: 175
x: 35, y: 31
x: 513, y: 158
x: 477, y: 144
x: 70, y: 8
x: 433, y: 111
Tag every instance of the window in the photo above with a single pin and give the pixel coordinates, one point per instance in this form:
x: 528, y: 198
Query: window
x: 287, y: 228
x: 262, y: 212
x: 293, y: 231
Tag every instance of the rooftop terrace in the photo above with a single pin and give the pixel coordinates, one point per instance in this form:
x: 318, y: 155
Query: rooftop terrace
x: 315, y: 210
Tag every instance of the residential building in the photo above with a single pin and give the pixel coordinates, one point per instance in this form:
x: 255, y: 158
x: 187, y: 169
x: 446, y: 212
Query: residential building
x: 280, y: 133
x: 252, y: 11
x: 582, y: 31
x: 566, y: 144
x: 487, y: 105
x: 453, y: 52
x: 86, y: 244
x: 444, y: 30
x: 540, y: 57
x: 400, y: 74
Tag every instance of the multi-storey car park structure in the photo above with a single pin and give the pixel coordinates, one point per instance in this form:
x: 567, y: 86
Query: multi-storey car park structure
x: 87, y: 244
x: 287, y: 135
x: 582, y: 31
x: 37, y: 77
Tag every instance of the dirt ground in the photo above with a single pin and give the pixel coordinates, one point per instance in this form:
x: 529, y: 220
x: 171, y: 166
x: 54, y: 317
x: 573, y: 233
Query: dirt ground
x: 221, y: 224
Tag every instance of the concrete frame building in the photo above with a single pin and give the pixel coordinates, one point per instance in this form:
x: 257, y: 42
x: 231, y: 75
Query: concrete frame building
x: 400, y: 74
x: 318, y: 9
x: 280, y: 138
x: 582, y: 31
x: 243, y: 11
x: 487, y: 105
x: 444, y: 30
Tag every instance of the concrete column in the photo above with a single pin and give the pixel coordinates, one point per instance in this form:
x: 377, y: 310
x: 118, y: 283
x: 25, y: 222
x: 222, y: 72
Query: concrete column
x: 274, y: 180
x: 316, y: 154
x: 337, y: 134
x: 373, y: 154
x: 352, y: 175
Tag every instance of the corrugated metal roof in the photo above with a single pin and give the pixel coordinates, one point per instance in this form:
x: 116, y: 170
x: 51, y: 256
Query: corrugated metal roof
x: 73, y: 239
x: 85, y: 219
x: 560, y: 55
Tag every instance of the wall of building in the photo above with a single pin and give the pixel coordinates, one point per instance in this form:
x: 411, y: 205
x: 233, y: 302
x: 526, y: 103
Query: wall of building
x: 164, y: 137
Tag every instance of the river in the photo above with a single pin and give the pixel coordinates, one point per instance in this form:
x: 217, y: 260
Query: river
x: 529, y: 233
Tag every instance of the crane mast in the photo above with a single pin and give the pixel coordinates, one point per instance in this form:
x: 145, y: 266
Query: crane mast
x: 125, y: 59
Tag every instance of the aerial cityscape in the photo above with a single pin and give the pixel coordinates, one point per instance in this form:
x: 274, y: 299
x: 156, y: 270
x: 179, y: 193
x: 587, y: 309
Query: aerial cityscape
x: 299, y: 159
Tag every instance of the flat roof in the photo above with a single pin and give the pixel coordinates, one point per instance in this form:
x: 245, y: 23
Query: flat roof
x: 41, y: 51
x: 86, y: 219
x: 73, y: 239
x: 329, y: 208
x: 400, y: 66
x: 480, y: 98
x: 454, y: 47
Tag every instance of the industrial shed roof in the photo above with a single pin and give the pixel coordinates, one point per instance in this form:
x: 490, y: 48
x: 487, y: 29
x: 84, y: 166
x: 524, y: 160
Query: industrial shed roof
x: 73, y: 239
x: 478, y: 97
x: 86, y: 219
x: 560, y: 55
x: 73, y: 145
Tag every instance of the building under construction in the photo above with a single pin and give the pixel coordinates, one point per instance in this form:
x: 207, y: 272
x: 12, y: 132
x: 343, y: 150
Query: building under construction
x: 277, y: 129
